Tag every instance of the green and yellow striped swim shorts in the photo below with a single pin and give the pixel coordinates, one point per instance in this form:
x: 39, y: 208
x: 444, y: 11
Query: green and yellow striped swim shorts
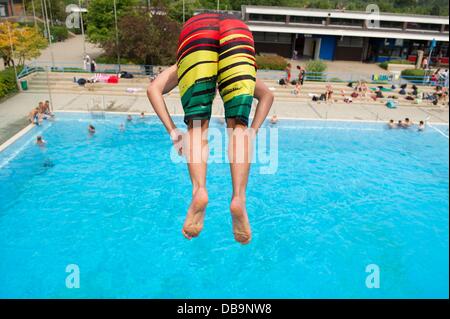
x: 216, y: 51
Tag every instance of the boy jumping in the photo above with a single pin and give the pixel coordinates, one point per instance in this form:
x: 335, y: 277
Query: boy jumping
x: 214, y: 50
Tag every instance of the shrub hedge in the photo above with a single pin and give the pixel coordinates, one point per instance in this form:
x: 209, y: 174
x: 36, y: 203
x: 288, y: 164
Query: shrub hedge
x: 59, y: 33
x: 270, y: 62
x: 8, y: 83
x: 385, y: 64
x: 316, y: 66
x: 414, y: 72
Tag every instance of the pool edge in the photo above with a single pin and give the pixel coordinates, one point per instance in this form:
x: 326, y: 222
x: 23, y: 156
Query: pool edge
x: 219, y: 116
x: 15, y: 137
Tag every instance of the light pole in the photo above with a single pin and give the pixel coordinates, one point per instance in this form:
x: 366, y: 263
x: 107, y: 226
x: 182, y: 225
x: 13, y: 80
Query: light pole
x: 117, y: 34
x: 44, y: 9
x: 82, y: 28
x: 184, y: 16
x: 50, y: 9
x: 34, y: 13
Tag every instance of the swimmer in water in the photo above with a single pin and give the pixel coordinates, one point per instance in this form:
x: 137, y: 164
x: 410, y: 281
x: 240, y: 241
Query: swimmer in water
x: 407, y: 123
x: 274, y: 119
x: 142, y: 115
x: 391, y: 124
x: 91, y: 129
x: 421, y: 126
x: 228, y: 60
x: 40, y: 141
x: 129, y: 118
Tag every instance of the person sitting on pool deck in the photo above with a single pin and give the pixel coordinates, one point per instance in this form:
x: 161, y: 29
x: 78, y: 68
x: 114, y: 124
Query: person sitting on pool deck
x: 33, y: 116
x: 46, y: 109
x: 214, y: 49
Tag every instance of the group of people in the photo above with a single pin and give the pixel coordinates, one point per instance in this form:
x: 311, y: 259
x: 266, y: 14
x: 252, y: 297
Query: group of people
x: 89, y: 64
x: 91, y: 129
x: 298, y: 82
x: 406, y: 123
x: 40, y: 113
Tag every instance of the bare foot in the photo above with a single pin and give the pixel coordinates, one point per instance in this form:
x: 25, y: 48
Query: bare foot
x: 241, y: 225
x: 193, y: 224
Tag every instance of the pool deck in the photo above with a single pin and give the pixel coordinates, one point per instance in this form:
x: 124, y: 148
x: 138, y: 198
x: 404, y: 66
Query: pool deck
x: 14, y: 110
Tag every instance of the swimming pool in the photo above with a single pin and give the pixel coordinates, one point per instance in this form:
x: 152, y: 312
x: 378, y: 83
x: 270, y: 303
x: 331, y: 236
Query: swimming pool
x: 345, y: 195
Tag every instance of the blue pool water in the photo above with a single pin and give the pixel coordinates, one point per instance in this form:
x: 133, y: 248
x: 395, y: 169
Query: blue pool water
x: 345, y: 195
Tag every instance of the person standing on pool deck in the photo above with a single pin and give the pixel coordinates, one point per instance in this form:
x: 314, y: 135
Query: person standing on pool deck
x: 214, y: 49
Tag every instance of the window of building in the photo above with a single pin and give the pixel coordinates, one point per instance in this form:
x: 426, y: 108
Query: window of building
x: 2, y: 10
x: 423, y: 26
x: 258, y: 36
x: 353, y: 42
x: 446, y: 27
x: 347, y: 22
x: 272, y: 37
x: 267, y: 17
x: 284, y: 37
x: 391, y: 24
x: 308, y: 20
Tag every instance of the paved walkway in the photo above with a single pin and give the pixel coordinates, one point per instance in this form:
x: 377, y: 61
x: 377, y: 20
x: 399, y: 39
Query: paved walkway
x: 69, y: 51
x: 346, y: 69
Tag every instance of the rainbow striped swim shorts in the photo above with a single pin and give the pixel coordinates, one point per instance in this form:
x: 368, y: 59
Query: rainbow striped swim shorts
x: 216, y: 51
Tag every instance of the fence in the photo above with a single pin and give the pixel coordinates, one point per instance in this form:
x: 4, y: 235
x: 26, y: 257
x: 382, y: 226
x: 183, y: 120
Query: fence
x: 149, y: 70
x: 144, y: 70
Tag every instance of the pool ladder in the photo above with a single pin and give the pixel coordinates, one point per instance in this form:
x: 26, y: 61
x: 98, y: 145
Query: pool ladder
x: 96, y: 108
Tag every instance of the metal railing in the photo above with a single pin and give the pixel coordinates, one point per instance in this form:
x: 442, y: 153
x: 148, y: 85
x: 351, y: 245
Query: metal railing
x: 149, y: 70
x: 70, y: 67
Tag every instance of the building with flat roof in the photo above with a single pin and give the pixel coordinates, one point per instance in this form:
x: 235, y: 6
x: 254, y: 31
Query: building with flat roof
x: 10, y: 8
x: 345, y: 35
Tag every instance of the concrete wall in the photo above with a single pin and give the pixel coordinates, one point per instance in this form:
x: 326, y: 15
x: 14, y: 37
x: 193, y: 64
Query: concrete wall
x: 283, y: 49
x: 308, y: 48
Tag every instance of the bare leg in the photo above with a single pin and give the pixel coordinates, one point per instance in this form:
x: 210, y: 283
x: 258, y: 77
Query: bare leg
x: 239, y: 154
x: 196, y: 151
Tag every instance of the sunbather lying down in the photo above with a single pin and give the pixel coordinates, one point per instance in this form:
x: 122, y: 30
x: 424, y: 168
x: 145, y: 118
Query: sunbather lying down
x: 214, y: 51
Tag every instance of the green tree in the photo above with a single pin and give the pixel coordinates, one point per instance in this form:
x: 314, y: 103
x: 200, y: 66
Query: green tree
x: 100, y: 19
x: 155, y: 43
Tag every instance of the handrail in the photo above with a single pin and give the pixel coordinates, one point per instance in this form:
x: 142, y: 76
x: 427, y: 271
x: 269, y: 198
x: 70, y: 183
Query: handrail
x: 148, y: 70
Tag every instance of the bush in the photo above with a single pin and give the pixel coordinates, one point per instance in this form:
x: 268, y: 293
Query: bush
x: 105, y: 59
x: 414, y: 72
x: 8, y: 83
x: 59, y: 33
x: 270, y: 62
x: 400, y: 62
x: 316, y: 66
x: 384, y: 65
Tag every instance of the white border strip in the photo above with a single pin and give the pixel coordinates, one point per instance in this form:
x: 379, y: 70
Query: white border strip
x: 438, y: 130
x: 220, y: 116
x: 15, y: 137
